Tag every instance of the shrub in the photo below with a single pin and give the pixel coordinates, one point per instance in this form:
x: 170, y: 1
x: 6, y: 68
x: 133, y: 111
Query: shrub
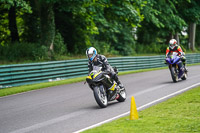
x: 59, y: 46
x: 22, y: 51
x: 40, y: 53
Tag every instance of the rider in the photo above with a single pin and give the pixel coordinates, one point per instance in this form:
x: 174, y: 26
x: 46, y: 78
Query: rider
x: 173, y: 47
x: 95, y: 59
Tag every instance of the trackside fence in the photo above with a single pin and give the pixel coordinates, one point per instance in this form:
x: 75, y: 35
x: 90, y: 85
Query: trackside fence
x: 24, y: 74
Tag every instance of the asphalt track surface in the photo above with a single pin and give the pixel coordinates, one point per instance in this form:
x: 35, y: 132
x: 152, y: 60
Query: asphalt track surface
x: 71, y: 108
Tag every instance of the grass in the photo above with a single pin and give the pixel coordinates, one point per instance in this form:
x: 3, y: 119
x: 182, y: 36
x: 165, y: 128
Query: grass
x: 180, y: 114
x: 24, y: 88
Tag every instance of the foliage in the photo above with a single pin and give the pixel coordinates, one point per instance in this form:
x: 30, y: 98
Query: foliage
x: 59, y: 46
x: 198, y: 36
x: 22, y: 4
x: 161, y: 19
x: 117, y: 21
x: 32, y: 27
x: 4, y: 31
x: 97, y: 21
x: 152, y: 48
x: 23, y: 51
x: 122, y: 27
x: 75, y: 23
x: 190, y: 10
x: 21, y: 8
x: 40, y: 53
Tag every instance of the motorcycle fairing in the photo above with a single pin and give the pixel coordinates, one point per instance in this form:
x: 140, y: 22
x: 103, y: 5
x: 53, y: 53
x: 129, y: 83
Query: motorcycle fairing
x: 112, y: 88
x: 173, y: 59
x: 100, y: 77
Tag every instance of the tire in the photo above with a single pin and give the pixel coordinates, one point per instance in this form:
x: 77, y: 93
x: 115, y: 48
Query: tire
x: 100, y: 98
x: 174, y: 74
x: 122, y: 95
x: 184, y: 76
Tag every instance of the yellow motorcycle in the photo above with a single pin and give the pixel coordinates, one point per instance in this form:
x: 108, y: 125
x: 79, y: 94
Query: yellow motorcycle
x: 104, y: 88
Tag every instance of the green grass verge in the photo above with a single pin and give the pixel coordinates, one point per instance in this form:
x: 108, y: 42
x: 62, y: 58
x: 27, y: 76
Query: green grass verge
x: 180, y: 114
x: 24, y: 88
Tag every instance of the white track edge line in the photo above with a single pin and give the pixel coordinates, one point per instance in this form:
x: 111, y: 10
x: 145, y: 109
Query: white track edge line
x: 139, y: 108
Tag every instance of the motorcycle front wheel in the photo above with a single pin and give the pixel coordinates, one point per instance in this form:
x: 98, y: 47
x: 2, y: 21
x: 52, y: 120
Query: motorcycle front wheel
x: 174, y: 74
x: 100, y: 97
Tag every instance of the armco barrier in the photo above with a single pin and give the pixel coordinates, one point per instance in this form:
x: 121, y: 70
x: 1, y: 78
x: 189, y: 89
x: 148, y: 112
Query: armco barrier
x: 23, y: 74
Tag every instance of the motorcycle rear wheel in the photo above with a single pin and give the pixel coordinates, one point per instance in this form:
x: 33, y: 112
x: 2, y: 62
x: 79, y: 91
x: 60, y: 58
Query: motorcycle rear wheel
x: 100, y: 97
x: 184, y: 76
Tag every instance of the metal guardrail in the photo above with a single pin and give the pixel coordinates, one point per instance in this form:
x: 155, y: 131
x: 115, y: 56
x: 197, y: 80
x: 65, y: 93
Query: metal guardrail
x: 24, y: 74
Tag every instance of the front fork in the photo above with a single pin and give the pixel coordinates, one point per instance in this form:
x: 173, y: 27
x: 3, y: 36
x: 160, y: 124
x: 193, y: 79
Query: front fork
x: 176, y: 68
x: 179, y: 69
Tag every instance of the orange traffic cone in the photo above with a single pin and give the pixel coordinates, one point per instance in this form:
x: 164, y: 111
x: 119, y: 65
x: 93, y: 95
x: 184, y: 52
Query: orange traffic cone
x: 133, y: 111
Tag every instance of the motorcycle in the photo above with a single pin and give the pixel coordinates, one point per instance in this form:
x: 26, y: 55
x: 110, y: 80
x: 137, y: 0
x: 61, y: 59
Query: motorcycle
x: 176, y: 67
x: 104, y: 88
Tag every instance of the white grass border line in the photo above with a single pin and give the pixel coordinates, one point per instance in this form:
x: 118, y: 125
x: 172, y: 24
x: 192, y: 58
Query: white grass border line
x: 139, y: 108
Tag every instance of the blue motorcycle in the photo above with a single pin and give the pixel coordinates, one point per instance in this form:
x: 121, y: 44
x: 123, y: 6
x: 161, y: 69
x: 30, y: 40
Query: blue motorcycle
x: 176, y: 67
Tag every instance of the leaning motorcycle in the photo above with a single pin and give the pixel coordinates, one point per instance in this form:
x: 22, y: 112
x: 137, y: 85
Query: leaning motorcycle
x: 176, y: 67
x: 104, y: 88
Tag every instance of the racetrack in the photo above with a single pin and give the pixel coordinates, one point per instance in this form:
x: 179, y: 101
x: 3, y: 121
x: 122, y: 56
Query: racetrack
x: 70, y: 108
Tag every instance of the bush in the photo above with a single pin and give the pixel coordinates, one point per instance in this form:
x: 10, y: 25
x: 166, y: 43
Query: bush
x: 59, y: 46
x: 16, y: 51
x: 102, y: 47
x: 23, y: 51
x: 40, y: 53
x: 152, y: 48
x: 31, y: 51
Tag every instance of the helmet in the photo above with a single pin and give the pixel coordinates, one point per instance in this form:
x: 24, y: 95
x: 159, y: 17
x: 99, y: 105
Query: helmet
x: 91, y: 53
x: 172, y: 43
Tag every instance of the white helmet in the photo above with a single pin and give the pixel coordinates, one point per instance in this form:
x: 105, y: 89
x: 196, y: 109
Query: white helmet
x: 91, y: 53
x: 172, y: 43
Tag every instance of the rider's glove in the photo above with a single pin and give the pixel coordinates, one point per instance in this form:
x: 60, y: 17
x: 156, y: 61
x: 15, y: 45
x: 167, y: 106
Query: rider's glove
x: 165, y: 62
x: 182, y: 54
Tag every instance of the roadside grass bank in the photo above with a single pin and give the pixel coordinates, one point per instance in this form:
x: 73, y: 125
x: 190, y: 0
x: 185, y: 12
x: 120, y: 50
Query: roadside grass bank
x: 25, y: 88
x: 179, y: 114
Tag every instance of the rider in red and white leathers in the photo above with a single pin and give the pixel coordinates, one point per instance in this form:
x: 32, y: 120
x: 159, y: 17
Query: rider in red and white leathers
x: 173, y: 47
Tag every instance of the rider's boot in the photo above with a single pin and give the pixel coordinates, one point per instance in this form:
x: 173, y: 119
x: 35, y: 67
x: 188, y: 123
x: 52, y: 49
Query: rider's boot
x: 186, y: 69
x: 120, y: 84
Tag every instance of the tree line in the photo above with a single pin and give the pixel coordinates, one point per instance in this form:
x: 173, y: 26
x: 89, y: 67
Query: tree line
x: 38, y: 29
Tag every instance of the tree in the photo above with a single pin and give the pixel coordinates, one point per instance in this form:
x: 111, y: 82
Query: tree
x: 47, y: 25
x: 75, y: 23
x: 161, y: 21
x: 190, y: 12
x: 11, y: 7
x: 198, y: 36
x: 40, y: 25
x: 4, y: 31
x: 32, y: 26
x: 120, y: 17
x: 12, y: 23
